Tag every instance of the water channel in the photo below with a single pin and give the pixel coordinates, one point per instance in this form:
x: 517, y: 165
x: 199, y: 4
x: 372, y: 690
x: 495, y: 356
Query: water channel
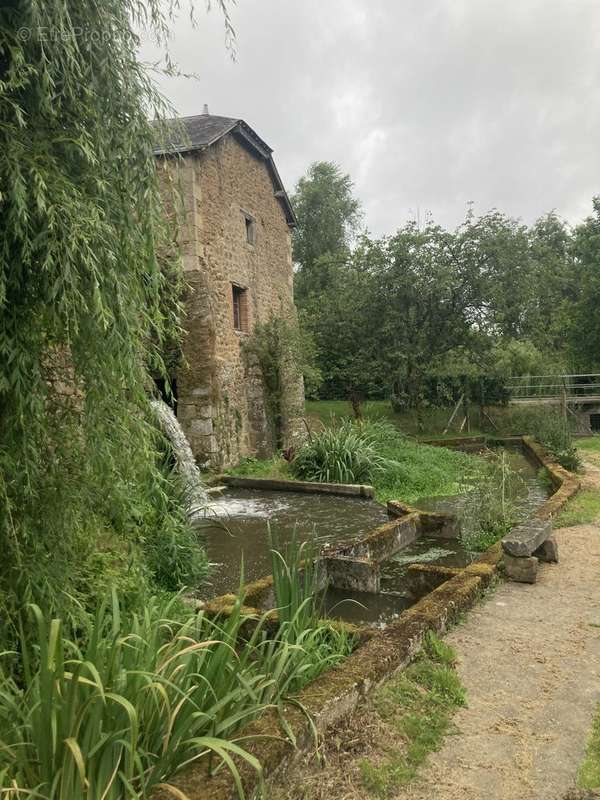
x: 236, y: 529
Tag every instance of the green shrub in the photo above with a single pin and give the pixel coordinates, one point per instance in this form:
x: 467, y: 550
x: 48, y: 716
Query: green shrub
x: 344, y: 453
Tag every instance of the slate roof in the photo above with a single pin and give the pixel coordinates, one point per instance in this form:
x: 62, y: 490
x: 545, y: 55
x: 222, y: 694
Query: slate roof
x: 186, y: 134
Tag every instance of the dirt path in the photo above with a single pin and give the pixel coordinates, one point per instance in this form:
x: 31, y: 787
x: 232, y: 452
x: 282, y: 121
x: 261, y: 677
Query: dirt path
x: 530, y: 659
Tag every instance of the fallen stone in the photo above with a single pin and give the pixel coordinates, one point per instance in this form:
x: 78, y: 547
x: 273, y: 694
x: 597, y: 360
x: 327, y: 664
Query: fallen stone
x: 548, y: 550
x: 525, y: 539
x: 522, y: 569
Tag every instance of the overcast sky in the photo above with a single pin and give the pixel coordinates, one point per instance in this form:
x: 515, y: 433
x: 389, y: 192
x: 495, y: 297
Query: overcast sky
x: 428, y: 104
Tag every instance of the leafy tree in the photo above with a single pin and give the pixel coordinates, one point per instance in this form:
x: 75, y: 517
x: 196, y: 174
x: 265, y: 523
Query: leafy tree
x: 81, y: 222
x: 497, y: 246
x: 340, y: 321
x: 584, y: 331
x: 328, y: 217
x: 426, y: 296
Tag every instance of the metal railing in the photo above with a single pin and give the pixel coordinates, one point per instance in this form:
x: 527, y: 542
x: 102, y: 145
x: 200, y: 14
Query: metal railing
x: 571, y: 387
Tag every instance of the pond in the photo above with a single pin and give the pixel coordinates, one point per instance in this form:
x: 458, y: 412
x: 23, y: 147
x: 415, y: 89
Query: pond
x: 241, y: 517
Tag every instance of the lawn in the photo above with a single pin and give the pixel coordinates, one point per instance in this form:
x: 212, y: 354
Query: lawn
x: 590, y: 444
x: 434, y: 419
x: 412, y: 470
x: 583, y: 509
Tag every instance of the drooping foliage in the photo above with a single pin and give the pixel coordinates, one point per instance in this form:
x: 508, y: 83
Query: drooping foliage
x: 84, y: 308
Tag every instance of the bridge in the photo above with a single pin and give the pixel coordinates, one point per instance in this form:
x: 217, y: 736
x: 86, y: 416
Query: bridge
x: 555, y: 389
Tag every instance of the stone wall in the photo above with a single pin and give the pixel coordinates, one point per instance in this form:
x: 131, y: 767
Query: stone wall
x: 221, y: 398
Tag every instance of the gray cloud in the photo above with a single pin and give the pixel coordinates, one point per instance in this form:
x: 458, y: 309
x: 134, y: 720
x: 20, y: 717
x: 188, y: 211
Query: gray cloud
x: 428, y: 105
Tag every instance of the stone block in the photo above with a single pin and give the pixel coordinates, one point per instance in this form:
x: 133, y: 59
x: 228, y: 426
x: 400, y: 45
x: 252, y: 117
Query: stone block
x: 525, y: 539
x: 548, y: 550
x: 522, y: 569
x: 202, y: 427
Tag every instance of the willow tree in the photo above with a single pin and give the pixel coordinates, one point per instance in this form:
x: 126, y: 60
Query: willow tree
x: 82, y: 299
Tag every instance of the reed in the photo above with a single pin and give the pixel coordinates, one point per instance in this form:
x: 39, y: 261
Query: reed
x: 121, y: 708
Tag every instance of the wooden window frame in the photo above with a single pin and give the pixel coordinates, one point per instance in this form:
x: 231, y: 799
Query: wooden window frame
x: 239, y: 299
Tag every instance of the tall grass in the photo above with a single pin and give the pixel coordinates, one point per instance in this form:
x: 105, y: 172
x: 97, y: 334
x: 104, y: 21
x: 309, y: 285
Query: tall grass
x: 300, y: 605
x: 377, y: 452
x: 142, y: 697
x: 492, y: 506
x: 343, y: 453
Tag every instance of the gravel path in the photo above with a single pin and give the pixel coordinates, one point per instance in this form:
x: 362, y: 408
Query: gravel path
x: 529, y: 658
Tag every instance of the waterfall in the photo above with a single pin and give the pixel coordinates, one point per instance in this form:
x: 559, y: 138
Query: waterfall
x: 195, y: 492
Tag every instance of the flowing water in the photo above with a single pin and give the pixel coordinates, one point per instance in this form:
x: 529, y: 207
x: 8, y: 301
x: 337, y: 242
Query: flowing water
x: 195, y: 492
x: 235, y: 527
x: 239, y: 530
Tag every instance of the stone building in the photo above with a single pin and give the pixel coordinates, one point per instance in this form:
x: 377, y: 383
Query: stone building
x: 236, y: 245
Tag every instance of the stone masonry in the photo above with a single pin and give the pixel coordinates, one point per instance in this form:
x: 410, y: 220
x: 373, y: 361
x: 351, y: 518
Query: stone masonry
x: 236, y: 245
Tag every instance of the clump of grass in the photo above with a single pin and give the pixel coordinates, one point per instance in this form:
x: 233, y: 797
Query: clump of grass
x: 588, y: 776
x: 583, y: 509
x: 299, y: 605
x: 418, y: 704
x: 398, y: 468
x: 342, y: 453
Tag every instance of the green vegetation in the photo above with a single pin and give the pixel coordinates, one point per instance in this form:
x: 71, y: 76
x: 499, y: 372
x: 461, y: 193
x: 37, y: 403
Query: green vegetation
x: 583, y: 509
x: 116, y: 708
x: 589, y: 445
x: 344, y: 453
x: 418, y: 706
x: 491, y: 510
x: 90, y: 287
x: 588, y: 776
x: 275, y: 467
x: 399, y: 468
x: 285, y: 354
x: 299, y: 607
x: 426, y: 315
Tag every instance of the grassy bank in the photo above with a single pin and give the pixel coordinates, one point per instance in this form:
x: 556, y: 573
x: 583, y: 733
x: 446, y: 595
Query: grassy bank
x: 434, y: 419
x: 498, y: 420
x: 416, y: 707
x: 588, y: 776
x: 404, y: 470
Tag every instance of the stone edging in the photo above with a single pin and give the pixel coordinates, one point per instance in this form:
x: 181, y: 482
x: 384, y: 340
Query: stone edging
x: 337, y: 692
x: 308, y: 487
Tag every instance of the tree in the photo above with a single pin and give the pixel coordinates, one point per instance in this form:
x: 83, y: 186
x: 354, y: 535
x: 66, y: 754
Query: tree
x: 425, y: 300
x: 584, y: 329
x: 328, y: 216
x: 81, y: 223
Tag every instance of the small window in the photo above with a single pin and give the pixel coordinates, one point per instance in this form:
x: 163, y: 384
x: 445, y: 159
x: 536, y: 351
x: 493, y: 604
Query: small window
x: 240, y: 308
x: 250, y: 228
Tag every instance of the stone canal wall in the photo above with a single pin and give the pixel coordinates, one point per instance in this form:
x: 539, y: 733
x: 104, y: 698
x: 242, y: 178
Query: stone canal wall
x: 336, y: 693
